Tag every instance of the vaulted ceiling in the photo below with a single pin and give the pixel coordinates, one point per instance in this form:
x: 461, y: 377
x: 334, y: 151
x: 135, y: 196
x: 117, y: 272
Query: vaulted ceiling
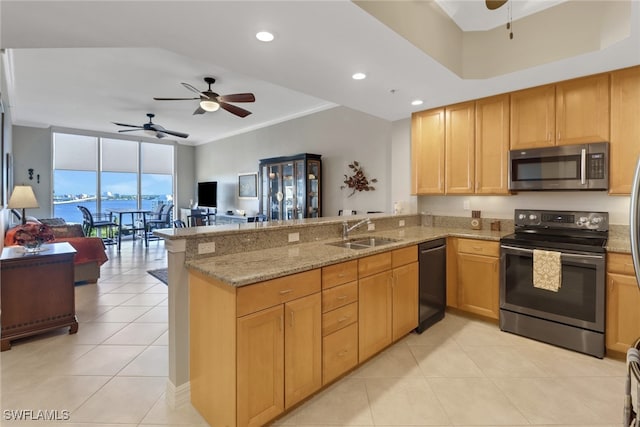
x: 85, y: 64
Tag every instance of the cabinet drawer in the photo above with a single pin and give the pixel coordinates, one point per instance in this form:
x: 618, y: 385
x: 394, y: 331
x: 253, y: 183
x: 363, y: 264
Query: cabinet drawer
x: 266, y: 294
x: 479, y: 247
x: 339, y: 296
x: 404, y: 256
x: 339, y: 352
x: 374, y: 264
x: 337, y: 274
x: 620, y: 263
x: 339, y: 318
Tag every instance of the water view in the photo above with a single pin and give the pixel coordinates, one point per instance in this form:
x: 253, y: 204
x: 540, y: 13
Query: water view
x: 71, y: 214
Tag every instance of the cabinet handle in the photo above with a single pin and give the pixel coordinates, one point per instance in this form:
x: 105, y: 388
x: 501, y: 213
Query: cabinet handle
x: 478, y: 249
x: 285, y: 291
x: 341, y: 297
x: 291, y: 319
x: 559, y: 136
x: 281, y: 322
x: 343, y: 318
x: 342, y: 353
x: 340, y: 274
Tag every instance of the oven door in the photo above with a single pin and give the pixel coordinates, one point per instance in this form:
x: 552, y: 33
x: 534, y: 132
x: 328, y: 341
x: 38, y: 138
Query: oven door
x: 579, y: 302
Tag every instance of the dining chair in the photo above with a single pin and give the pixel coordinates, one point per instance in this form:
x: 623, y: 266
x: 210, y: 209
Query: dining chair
x: 89, y: 224
x: 161, y: 219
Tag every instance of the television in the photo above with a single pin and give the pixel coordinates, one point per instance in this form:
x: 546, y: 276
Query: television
x: 208, y: 194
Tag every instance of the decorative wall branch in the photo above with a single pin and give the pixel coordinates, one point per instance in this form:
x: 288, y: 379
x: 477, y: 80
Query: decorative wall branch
x: 358, y: 181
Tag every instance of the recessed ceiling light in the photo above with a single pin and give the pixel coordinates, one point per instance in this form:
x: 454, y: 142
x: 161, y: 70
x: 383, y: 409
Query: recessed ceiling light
x: 264, y: 36
x: 416, y: 102
x: 359, y: 76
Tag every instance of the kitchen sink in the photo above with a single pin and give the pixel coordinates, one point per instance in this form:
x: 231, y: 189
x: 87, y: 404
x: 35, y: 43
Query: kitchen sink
x: 363, y: 242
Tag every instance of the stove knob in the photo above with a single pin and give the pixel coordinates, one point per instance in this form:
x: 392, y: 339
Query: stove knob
x: 582, y: 221
x: 596, y: 220
x: 522, y: 216
x: 533, y: 217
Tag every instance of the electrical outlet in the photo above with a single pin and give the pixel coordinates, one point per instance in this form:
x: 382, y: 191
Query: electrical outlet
x: 401, y: 223
x: 371, y: 227
x: 466, y: 205
x: 294, y: 237
x: 206, y: 248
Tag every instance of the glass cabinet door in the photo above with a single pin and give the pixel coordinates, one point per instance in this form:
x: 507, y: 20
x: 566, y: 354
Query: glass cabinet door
x: 275, y: 192
x: 313, y: 189
x: 289, y: 190
x: 300, y: 197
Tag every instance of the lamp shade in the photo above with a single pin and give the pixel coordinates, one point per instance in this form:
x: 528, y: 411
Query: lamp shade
x: 22, y: 197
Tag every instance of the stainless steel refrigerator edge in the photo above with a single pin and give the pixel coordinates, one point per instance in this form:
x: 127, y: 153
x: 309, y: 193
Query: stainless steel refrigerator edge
x: 634, y: 219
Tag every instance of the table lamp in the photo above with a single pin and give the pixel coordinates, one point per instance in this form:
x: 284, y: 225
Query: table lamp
x: 22, y: 198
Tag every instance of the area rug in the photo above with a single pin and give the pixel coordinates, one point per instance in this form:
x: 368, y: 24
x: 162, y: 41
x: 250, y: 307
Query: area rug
x: 161, y: 274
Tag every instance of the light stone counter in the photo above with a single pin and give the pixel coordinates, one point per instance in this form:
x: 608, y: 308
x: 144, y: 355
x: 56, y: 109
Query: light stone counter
x: 245, y: 268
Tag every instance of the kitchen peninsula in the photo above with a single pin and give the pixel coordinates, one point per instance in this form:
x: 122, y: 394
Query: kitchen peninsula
x: 229, y: 260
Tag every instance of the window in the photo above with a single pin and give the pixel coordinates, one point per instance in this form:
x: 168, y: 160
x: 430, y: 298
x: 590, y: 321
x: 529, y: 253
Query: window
x: 124, y: 173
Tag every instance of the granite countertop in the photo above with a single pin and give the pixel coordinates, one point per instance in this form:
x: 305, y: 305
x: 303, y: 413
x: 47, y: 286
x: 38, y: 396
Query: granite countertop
x: 251, y: 267
x: 619, y: 244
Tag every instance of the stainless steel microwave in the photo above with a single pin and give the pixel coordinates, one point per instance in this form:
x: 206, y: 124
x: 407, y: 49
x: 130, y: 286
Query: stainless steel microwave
x: 563, y: 167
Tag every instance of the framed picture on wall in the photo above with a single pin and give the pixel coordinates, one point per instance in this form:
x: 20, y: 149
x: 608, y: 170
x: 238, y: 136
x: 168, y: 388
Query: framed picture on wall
x: 248, y: 185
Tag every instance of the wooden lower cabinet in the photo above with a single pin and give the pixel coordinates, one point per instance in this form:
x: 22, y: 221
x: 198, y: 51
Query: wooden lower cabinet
x: 477, y: 276
x: 339, y: 352
x: 375, y: 298
x: 623, y: 300
x: 405, y: 300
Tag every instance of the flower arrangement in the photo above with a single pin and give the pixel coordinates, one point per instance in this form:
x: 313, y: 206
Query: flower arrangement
x: 31, y: 235
x: 358, y: 181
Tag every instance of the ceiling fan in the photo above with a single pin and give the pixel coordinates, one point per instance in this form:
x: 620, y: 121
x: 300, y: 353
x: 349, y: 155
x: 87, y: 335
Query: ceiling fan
x: 211, y: 101
x: 494, y: 4
x: 159, y: 131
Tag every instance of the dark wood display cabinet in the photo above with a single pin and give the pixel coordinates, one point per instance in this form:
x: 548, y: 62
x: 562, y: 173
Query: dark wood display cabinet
x: 36, y: 291
x: 291, y: 187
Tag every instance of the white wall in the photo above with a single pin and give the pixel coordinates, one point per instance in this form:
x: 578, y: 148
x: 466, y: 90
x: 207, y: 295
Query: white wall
x: 340, y: 135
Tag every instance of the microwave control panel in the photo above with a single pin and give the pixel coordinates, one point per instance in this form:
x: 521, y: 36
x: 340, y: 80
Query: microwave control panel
x: 596, y: 166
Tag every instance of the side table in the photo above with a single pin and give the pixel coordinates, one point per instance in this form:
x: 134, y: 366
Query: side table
x: 36, y: 291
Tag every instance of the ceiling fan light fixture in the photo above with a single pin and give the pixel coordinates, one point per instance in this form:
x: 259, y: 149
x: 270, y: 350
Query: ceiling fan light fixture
x: 264, y: 36
x: 359, y: 76
x: 209, y: 105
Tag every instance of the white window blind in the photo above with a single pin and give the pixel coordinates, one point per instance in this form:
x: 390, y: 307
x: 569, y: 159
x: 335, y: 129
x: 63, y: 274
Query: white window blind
x: 157, y: 158
x: 119, y: 155
x: 75, y: 152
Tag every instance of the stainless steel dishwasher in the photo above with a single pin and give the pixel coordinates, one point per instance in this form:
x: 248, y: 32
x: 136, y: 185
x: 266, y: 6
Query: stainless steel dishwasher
x: 433, y: 283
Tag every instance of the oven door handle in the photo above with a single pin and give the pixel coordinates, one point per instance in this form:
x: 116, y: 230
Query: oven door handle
x: 564, y: 254
x: 583, y: 166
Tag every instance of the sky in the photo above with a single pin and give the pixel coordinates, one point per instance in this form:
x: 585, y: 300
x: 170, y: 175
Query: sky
x: 83, y: 182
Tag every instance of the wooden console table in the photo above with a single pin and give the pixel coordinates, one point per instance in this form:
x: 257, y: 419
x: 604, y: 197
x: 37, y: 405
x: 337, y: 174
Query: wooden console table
x: 36, y: 291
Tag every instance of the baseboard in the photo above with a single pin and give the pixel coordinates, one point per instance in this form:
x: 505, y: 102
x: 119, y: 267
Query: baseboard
x: 178, y: 396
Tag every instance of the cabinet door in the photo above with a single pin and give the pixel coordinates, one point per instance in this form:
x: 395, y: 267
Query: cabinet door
x: 302, y: 348
x: 533, y: 117
x: 260, y: 374
x: 623, y: 316
x: 405, y: 300
x: 582, y: 110
x: 459, y: 148
x: 427, y: 152
x: 492, y: 145
x: 624, y: 147
x: 478, y: 284
x: 375, y: 302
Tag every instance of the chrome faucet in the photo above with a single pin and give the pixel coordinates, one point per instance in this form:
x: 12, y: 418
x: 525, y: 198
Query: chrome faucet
x: 346, y: 229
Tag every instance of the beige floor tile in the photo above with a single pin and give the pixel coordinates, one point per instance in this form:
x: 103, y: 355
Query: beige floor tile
x: 152, y: 362
x: 133, y: 287
x: 95, y: 333
x: 114, y: 299
x: 344, y: 403
x: 155, y: 315
x: 121, y: 400
x: 162, y: 414
x: 600, y: 394
x: 475, y: 401
x: 145, y: 300
x: 137, y: 334
x: 396, y: 361
x: 122, y: 314
x: 404, y: 401
x: 105, y: 360
x: 549, y: 401
x: 504, y: 361
x: 445, y: 360
x: 162, y: 339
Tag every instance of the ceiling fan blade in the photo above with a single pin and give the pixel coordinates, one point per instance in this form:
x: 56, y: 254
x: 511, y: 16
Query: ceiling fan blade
x: 194, y: 90
x: 124, y: 124
x: 241, y: 112
x: 237, y: 97
x: 174, y: 99
x: 199, y: 110
x: 494, y: 4
x: 160, y: 135
x: 130, y: 130
x: 174, y: 133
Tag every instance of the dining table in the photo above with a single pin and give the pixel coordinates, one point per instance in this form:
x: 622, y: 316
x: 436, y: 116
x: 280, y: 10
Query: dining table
x: 136, y: 214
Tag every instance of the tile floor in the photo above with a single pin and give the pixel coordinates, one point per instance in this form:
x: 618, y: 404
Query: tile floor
x: 461, y: 372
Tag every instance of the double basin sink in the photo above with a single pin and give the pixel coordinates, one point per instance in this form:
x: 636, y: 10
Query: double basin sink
x: 363, y: 242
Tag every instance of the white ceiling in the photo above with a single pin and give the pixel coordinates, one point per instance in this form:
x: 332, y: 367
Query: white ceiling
x: 84, y: 64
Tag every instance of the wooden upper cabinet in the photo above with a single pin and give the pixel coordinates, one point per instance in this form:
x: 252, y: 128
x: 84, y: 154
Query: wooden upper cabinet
x: 459, y: 148
x: 427, y: 152
x: 492, y: 145
x: 582, y: 110
x: 624, y: 147
x: 533, y: 117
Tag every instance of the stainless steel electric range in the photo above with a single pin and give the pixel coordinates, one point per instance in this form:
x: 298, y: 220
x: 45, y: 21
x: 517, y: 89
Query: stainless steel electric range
x: 572, y: 315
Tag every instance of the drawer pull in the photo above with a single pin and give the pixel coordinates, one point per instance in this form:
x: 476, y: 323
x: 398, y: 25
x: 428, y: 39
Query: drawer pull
x: 342, y: 297
x: 341, y: 275
x: 476, y: 248
x: 343, y: 318
x: 342, y: 353
x: 285, y: 291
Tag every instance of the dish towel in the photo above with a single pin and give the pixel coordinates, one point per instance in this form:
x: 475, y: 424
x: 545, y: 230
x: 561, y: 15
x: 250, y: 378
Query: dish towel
x: 547, y: 270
